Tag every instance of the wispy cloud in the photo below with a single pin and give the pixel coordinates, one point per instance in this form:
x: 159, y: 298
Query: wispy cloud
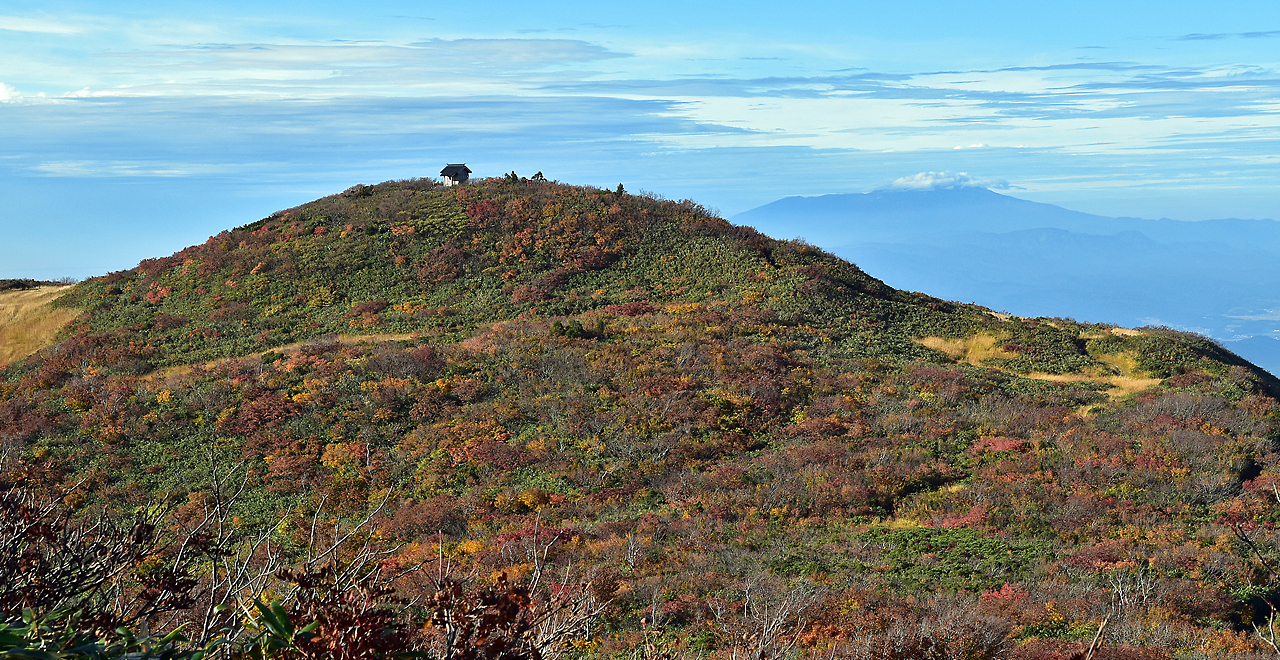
x: 203, y: 137
x: 1213, y: 36
x: 536, y: 52
x: 337, y: 69
x: 1082, y: 107
x: 1095, y: 107
x: 37, y: 25
x: 95, y: 169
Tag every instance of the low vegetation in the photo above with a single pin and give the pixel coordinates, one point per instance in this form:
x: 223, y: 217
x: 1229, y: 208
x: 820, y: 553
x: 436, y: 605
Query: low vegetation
x: 519, y: 419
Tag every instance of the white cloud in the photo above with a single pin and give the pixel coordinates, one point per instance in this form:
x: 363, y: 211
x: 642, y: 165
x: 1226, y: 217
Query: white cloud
x: 86, y: 168
x: 11, y: 94
x: 943, y: 181
x: 303, y: 70
x: 87, y: 93
x: 20, y: 24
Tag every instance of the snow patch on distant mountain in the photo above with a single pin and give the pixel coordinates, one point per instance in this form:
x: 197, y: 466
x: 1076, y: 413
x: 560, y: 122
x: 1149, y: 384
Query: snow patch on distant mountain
x: 943, y: 181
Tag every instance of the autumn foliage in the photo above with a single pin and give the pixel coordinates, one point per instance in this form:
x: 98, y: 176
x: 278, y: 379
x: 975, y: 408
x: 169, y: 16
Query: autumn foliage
x: 523, y: 419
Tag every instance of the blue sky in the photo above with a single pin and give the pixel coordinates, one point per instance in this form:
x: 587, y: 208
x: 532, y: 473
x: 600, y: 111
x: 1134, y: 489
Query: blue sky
x: 129, y: 129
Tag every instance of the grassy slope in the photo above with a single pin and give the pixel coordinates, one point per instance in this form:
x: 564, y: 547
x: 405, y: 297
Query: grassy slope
x: 29, y: 322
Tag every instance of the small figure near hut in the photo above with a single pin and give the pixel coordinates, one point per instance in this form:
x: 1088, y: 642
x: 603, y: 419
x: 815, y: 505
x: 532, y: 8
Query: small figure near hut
x: 455, y: 174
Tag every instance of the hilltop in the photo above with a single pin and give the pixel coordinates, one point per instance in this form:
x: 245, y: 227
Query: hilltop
x: 730, y: 443
x: 412, y: 257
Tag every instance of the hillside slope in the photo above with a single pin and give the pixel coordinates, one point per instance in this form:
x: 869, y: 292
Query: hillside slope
x: 400, y: 258
x: 745, y: 445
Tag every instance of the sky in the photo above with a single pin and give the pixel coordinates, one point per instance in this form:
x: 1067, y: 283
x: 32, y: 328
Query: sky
x: 131, y: 130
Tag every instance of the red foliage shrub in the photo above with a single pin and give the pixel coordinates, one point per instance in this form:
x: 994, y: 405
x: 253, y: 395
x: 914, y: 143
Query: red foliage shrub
x: 234, y: 311
x: 637, y: 308
x: 155, y: 295
x: 430, y: 404
x: 20, y: 421
x: 528, y: 294
x: 116, y: 276
x: 1058, y: 649
x: 414, y: 520
x: 442, y: 264
x: 820, y: 427
x: 538, y: 537
x: 593, y: 258
x: 482, y: 213
x: 427, y: 358
x: 1101, y: 556
x: 1188, y: 380
x: 467, y: 390
x: 363, y: 620
x: 369, y: 307
x: 727, y: 476
x: 291, y: 474
x: 752, y: 316
x: 1006, y: 593
x: 972, y: 517
x: 998, y: 444
x: 151, y: 268
x: 499, y: 455
x: 266, y: 410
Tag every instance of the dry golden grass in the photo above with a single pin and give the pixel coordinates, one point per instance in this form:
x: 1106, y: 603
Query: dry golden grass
x: 1120, y: 385
x: 1127, y: 332
x: 27, y: 321
x: 1126, y: 385
x: 901, y: 523
x: 1127, y: 381
x: 973, y: 349
x: 1125, y: 362
x: 1121, y: 375
x: 175, y: 372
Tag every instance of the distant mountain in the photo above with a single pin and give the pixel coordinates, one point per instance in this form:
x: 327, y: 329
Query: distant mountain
x: 1216, y: 277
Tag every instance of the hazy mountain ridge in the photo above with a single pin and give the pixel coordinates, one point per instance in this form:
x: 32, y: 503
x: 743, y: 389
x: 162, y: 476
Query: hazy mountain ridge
x: 1036, y: 259
x: 983, y: 210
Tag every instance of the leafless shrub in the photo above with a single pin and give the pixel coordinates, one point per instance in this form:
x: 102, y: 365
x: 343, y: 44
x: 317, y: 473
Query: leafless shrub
x: 764, y: 618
